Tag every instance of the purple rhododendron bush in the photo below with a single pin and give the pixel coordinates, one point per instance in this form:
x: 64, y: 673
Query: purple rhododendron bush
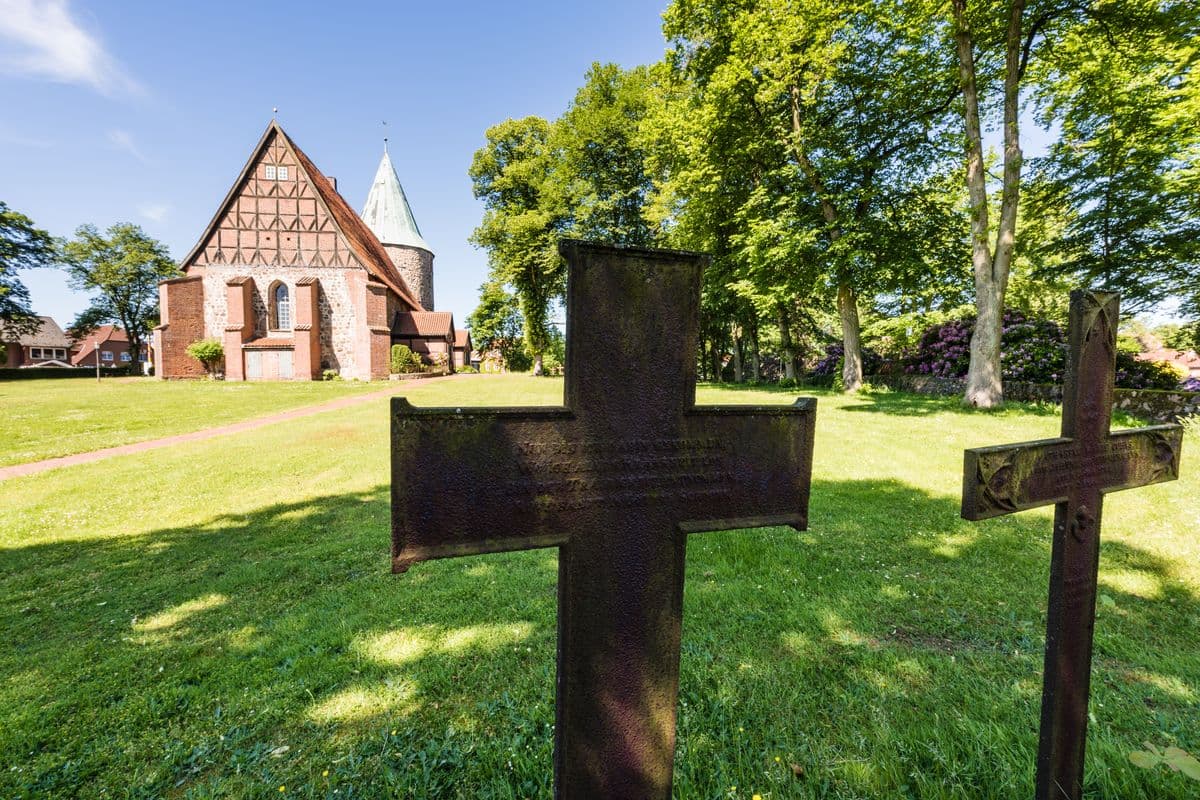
x: 1032, y: 351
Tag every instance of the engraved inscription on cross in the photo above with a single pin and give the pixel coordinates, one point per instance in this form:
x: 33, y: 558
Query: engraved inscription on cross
x: 1074, y: 472
x: 615, y: 479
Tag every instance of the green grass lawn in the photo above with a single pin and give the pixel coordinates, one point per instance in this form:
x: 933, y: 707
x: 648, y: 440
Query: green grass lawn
x: 58, y: 417
x: 218, y: 620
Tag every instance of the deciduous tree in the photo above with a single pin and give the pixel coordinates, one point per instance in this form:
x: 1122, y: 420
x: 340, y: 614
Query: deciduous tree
x: 22, y: 246
x: 122, y: 267
x: 523, y: 220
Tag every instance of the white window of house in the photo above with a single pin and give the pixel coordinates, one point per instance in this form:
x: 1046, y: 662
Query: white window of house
x: 105, y: 355
x: 283, y: 307
x: 125, y: 357
x: 35, y: 352
x: 282, y: 173
x: 60, y: 353
x: 270, y: 170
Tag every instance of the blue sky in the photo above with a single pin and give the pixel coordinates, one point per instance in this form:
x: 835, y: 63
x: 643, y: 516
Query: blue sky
x: 140, y: 111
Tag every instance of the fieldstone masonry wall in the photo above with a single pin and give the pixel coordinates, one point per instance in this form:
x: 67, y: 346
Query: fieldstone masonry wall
x: 1154, y: 405
x: 334, y: 305
x: 416, y: 267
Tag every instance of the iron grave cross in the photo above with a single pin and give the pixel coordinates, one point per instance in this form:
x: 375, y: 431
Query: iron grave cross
x: 1074, y: 472
x: 615, y: 479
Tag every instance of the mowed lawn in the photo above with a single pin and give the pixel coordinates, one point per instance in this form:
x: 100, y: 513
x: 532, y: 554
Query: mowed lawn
x: 57, y: 417
x: 218, y: 620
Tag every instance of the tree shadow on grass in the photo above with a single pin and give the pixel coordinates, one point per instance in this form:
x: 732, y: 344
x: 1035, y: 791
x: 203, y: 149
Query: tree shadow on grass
x: 905, y: 404
x: 892, y: 651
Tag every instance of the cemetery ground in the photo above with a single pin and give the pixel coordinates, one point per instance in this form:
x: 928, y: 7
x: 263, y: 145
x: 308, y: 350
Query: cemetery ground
x: 48, y: 418
x: 219, y: 620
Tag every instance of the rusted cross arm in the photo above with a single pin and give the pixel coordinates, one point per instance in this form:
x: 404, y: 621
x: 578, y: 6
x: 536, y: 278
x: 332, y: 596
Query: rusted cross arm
x: 760, y: 457
x: 472, y: 460
x: 1007, y: 478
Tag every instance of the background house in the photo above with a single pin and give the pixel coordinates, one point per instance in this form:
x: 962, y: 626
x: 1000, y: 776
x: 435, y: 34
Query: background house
x: 111, y: 342
x: 49, y: 347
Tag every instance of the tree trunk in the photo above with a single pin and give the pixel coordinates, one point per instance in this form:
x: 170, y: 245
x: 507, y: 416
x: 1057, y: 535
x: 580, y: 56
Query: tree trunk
x: 735, y: 331
x: 852, y: 371
x: 537, y: 364
x: 718, y: 362
x: 847, y: 301
x: 786, y: 351
x: 755, y: 361
x: 990, y: 270
x: 755, y: 355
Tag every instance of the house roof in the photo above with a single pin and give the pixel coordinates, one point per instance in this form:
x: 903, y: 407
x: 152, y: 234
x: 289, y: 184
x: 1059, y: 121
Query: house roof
x: 109, y: 333
x: 387, y: 212
x: 432, y: 324
x: 362, y: 241
x: 1188, y: 359
x: 462, y: 337
x: 49, y: 335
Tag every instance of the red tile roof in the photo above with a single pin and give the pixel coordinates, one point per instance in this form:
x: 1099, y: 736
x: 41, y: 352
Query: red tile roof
x: 461, y: 337
x: 365, y: 245
x: 109, y: 333
x: 267, y: 343
x: 425, y: 324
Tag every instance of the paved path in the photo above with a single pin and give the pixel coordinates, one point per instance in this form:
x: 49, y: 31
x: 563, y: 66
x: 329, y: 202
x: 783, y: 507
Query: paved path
x: 34, y: 467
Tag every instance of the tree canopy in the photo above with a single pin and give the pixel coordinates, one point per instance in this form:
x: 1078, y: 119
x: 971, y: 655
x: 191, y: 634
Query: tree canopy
x: 22, y: 246
x: 836, y: 159
x: 122, y: 267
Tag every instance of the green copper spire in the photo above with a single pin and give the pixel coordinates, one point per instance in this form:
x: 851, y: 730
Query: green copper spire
x: 387, y: 212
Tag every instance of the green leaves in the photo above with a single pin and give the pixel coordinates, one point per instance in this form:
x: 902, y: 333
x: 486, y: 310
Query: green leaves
x: 1122, y: 173
x: 1174, y: 758
x: 22, y: 246
x: 123, y: 267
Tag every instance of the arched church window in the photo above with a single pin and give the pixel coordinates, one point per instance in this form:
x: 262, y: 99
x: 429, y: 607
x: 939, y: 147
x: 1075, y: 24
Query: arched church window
x: 281, y: 307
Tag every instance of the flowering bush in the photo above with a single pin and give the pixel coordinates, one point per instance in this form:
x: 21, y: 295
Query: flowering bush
x: 944, y: 351
x: 1135, y: 374
x: 1191, y: 385
x: 829, y: 364
x: 1032, y: 351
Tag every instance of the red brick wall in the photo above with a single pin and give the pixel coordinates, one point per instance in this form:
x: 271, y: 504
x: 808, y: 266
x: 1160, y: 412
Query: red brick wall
x: 377, y: 327
x: 307, y: 334
x: 181, y: 302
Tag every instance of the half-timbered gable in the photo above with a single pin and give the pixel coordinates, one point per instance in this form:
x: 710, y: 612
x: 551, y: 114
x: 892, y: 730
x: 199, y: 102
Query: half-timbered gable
x: 288, y: 276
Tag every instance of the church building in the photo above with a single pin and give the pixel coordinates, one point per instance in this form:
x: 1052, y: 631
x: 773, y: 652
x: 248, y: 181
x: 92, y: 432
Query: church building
x: 294, y: 283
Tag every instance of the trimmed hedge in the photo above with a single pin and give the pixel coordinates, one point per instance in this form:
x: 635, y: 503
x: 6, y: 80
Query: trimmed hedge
x: 18, y: 374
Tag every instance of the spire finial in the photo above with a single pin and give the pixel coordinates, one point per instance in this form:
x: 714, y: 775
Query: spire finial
x: 274, y: 112
x: 385, y: 138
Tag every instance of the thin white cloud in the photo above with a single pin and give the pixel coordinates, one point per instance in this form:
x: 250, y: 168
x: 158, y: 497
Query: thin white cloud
x: 123, y: 141
x: 41, y: 39
x: 14, y: 138
x: 155, y: 212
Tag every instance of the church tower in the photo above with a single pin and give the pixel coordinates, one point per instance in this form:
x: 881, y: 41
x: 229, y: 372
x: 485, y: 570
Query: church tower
x: 390, y: 218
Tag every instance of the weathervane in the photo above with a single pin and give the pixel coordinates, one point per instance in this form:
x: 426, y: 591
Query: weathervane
x: 385, y: 138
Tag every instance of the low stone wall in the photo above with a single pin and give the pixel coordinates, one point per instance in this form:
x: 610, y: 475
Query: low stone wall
x: 1155, y: 405
x: 416, y: 376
